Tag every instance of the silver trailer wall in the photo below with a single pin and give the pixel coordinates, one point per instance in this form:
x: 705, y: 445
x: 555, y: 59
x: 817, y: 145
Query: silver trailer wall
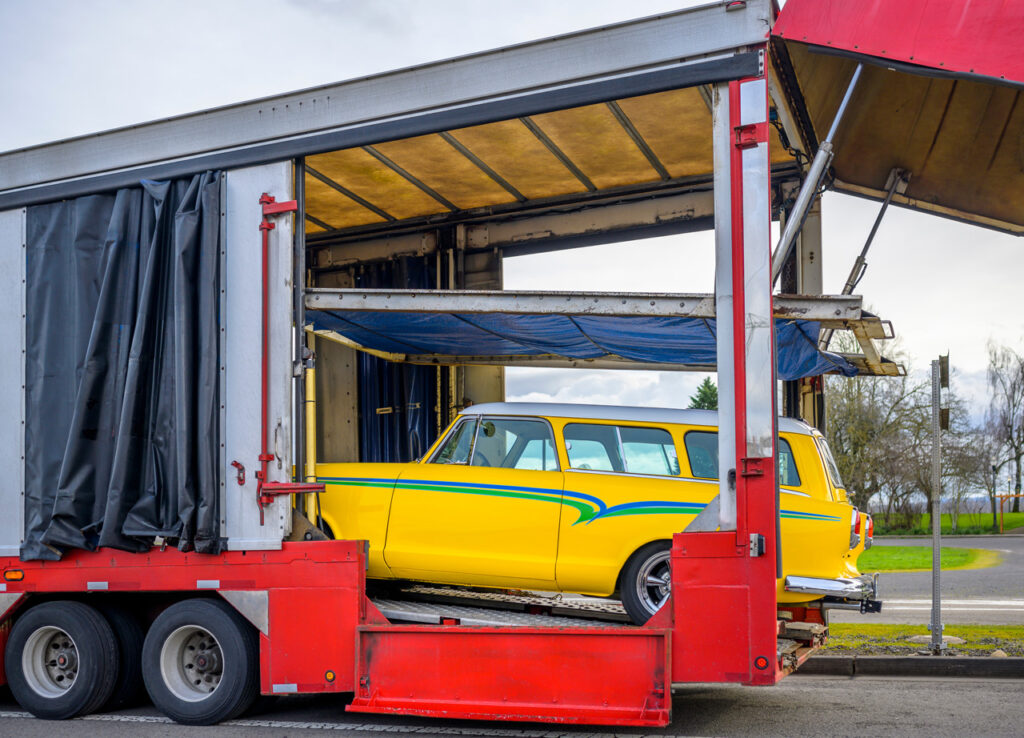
x: 242, y: 345
x: 12, y: 378
x: 131, y: 375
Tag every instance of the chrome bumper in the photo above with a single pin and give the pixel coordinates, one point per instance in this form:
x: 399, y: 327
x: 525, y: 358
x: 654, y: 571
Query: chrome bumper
x: 864, y: 587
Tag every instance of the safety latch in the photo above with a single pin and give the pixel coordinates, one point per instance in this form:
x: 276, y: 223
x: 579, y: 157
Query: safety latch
x: 270, y: 490
x: 749, y: 136
x: 752, y: 467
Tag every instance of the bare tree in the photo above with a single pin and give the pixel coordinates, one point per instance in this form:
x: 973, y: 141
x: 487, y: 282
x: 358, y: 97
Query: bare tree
x: 869, y: 431
x: 1006, y: 411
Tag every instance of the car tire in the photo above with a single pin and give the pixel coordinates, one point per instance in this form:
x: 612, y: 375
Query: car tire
x: 200, y: 662
x: 128, y: 631
x: 646, y: 583
x: 61, y: 660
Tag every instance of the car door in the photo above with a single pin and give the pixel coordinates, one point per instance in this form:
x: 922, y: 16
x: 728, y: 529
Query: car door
x: 629, y: 477
x: 482, y: 510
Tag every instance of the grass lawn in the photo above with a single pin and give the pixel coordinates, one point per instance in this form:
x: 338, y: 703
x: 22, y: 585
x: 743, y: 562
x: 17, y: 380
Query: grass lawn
x: 919, y: 558
x: 893, y: 640
x: 969, y: 523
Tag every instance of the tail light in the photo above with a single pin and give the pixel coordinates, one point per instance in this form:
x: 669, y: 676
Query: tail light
x: 870, y: 534
x: 856, y: 522
x: 855, y: 528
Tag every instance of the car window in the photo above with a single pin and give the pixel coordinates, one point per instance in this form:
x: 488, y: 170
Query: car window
x: 649, y: 451
x: 457, y: 445
x: 788, y: 474
x: 830, y: 462
x: 509, y: 443
x: 593, y: 447
x: 621, y: 449
x: 538, y: 454
x: 702, y: 450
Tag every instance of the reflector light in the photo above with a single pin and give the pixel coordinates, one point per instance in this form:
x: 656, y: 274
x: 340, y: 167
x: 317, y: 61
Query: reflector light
x: 14, y: 575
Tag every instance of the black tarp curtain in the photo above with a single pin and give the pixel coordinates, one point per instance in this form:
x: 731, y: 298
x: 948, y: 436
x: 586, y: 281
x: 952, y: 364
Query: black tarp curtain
x: 396, y: 401
x: 122, y: 428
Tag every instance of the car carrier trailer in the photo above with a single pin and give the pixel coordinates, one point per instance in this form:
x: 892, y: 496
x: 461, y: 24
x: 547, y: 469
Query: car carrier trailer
x: 155, y: 410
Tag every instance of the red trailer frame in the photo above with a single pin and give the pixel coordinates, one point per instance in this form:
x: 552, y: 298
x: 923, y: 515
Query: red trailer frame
x: 320, y: 633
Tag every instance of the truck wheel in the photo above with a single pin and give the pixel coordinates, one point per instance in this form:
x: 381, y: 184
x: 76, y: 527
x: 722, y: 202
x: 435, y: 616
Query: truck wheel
x: 200, y: 662
x: 61, y: 660
x: 130, y: 635
x: 646, y: 582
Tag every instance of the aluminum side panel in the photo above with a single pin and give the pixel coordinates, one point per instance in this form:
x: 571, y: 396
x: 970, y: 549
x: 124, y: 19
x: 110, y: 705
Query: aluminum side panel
x: 242, y: 356
x: 12, y: 377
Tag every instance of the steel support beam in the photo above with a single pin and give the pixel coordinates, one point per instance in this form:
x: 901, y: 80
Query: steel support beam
x: 613, y: 54
x: 828, y: 309
x: 736, y: 567
x: 809, y: 189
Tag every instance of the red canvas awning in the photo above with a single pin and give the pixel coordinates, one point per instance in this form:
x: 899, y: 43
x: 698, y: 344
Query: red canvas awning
x: 940, y: 97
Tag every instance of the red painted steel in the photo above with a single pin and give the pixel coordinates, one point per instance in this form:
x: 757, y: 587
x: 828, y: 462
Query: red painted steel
x: 312, y: 633
x: 714, y: 572
x: 266, y: 491
x: 605, y: 676
x: 980, y: 37
x: 315, y: 590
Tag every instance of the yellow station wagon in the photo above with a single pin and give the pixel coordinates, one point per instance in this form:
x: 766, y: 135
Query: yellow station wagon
x: 584, y: 498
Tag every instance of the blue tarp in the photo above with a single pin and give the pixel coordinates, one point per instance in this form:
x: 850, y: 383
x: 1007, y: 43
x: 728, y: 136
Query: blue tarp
x: 649, y: 339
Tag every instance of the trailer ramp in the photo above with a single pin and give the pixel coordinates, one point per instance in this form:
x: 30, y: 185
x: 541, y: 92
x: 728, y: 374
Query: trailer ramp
x: 469, y: 606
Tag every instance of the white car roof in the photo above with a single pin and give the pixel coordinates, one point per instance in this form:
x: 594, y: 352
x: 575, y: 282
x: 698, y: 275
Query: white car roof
x: 617, y: 412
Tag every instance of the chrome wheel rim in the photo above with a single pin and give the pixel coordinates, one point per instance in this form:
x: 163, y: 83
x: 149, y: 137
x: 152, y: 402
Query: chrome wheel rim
x: 653, y: 581
x: 49, y: 661
x: 191, y: 663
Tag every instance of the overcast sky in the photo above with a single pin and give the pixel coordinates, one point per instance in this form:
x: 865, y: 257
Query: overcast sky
x: 71, y: 68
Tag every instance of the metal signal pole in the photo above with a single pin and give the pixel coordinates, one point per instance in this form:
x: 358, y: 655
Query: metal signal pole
x: 940, y: 379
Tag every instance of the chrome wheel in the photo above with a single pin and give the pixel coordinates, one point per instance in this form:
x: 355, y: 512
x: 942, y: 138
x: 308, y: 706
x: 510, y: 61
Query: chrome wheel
x: 191, y: 663
x: 50, y: 661
x: 653, y: 582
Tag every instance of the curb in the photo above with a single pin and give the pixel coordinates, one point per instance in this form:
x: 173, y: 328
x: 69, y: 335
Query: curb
x: 914, y: 666
x: 948, y: 536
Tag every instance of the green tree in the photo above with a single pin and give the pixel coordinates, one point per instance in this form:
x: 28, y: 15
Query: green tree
x: 706, y: 396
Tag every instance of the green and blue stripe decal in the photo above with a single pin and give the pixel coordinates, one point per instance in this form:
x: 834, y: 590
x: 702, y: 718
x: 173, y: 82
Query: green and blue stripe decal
x: 590, y: 508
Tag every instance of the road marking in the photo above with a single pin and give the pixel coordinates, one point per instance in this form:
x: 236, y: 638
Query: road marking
x: 927, y: 601
x: 357, y: 727
x: 907, y: 608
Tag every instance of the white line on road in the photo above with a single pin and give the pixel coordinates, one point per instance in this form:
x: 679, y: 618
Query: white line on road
x: 927, y: 601
x: 904, y: 608
x: 357, y: 727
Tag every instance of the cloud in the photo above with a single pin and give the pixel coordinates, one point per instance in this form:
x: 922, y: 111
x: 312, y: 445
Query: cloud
x: 602, y: 386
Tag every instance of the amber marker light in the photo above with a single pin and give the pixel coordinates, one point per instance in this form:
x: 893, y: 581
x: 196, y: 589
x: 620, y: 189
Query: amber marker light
x: 14, y: 575
x: 329, y: 676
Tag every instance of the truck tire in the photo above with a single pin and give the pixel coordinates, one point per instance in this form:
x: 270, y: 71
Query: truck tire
x: 130, y: 635
x: 645, y: 583
x: 61, y: 660
x: 200, y: 662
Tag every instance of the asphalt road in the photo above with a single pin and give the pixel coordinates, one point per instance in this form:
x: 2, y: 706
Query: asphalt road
x: 992, y: 596
x: 797, y: 706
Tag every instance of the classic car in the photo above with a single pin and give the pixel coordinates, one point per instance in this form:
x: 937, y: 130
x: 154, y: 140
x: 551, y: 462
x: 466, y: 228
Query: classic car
x: 584, y: 499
